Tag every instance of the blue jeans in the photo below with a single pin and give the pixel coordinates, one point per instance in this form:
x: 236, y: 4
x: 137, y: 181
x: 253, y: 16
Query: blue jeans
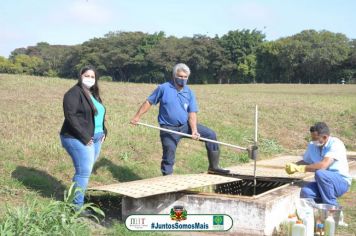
x: 327, y: 188
x: 83, y: 158
x: 170, y: 142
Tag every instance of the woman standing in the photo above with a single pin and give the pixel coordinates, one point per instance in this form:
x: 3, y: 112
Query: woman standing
x: 83, y: 130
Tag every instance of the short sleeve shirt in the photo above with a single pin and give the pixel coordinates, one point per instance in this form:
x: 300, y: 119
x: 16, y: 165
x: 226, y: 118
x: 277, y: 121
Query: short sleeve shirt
x: 334, y: 149
x: 174, y: 105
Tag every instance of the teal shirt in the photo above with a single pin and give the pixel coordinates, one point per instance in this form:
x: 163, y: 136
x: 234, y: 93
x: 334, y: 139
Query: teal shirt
x: 99, y: 117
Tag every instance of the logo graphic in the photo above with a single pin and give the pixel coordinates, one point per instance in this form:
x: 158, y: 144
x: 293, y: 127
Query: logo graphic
x: 218, y: 220
x: 178, y: 213
x: 137, y: 222
x: 185, y: 106
x: 177, y: 221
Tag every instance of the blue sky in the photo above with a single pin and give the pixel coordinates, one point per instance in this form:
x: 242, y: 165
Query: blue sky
x: 26, y: 22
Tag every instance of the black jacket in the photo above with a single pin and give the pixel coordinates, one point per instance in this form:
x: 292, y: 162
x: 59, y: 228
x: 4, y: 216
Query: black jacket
x: 78, y: 115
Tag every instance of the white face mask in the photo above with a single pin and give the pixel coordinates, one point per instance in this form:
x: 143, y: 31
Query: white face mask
x: 316, y: 143
x: 88, y: 82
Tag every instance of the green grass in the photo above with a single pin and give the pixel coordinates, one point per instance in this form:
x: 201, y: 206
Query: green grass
x: 120, y: 229
x: 33, y: 165
x: 349, y: 207
x: 47, y: 218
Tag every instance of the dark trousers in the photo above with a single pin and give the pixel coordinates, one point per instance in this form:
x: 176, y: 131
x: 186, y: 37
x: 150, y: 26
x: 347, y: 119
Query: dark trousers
x: 170, y: 142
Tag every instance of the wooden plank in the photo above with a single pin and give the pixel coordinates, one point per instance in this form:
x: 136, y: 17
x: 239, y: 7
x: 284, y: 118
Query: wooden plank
x: 164, y: 184
x: 274, y: 168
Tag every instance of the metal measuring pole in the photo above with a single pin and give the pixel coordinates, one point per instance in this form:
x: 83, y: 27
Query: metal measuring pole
x: 191, y: 136
x: 255, y: 140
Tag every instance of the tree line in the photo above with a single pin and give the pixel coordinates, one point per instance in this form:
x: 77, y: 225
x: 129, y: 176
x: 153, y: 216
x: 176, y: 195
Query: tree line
x: 240, y: 56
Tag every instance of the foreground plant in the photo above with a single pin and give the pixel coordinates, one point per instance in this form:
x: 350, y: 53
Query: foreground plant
x: 54, y: 218
x: 87, y: 207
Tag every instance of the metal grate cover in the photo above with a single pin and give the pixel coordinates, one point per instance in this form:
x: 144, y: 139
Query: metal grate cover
x: 246, y: 187
x: 164, y: 184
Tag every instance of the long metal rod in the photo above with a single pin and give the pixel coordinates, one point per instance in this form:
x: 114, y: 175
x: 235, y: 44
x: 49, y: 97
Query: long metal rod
x: 191, y: 136
x: 255, y: 139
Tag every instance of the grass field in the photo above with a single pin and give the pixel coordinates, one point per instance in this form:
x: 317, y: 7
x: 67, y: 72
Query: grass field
x: 33, y: 165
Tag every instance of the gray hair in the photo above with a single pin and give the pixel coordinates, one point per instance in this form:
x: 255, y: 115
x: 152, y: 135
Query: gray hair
x: 181, y: 67
x: 321, y: 128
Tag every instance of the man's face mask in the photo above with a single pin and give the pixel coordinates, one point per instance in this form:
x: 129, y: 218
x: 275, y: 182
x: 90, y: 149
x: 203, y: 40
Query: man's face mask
x: 181, y: 82
x: 315, y: 138
x: 317, y: 143
x: 321, y: 141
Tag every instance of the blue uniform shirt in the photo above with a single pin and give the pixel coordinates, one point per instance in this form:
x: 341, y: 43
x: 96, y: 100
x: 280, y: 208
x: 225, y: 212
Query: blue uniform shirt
x: 312, y: 154
x: 174, y: 105
x: 335, y: 149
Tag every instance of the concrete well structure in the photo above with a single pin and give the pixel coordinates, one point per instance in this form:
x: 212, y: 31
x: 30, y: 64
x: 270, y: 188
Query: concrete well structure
x: 260, y: 214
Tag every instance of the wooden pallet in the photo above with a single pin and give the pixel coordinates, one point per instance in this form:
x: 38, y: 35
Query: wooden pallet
x: 164, y: 184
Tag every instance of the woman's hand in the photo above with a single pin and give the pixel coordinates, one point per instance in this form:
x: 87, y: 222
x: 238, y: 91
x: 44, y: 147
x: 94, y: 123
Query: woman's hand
x: 90, y: 142
x: 103, y: 138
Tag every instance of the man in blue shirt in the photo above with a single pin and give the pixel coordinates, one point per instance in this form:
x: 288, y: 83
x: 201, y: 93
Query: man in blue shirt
x: 326, y: 156
x: 178, y: 111
x: 312, y: 154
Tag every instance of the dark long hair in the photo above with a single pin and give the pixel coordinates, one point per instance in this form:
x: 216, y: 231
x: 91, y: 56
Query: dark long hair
x: 94, y: 90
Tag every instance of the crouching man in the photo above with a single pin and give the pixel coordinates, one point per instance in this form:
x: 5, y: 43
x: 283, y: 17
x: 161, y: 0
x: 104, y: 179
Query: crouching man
x: 326, y: 156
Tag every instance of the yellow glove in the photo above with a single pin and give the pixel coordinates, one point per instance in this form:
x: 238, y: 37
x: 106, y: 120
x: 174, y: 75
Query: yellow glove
x: 291, y: 168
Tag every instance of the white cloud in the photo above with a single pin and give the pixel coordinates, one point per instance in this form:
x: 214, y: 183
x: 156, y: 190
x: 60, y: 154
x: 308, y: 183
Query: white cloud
x: 10, y: 39
x: 80, y: 12
x: 252, y: 15
x: 10, y: 35
x: 89, y: 12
